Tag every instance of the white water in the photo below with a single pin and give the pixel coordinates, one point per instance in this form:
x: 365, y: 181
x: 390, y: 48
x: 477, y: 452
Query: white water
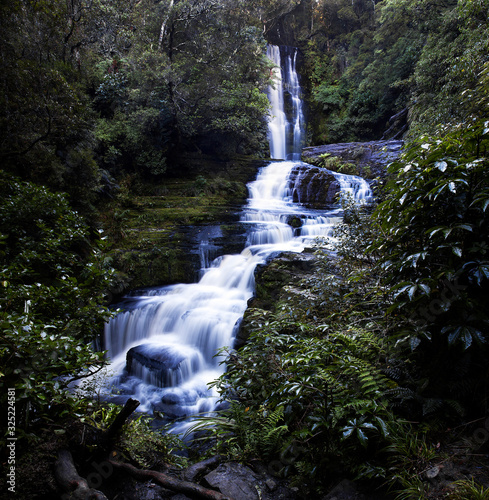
x: 180, y: 328
x: 286, y: 134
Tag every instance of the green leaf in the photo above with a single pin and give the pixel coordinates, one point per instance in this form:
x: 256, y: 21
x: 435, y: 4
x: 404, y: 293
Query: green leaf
x: 382, y: 426
x: 362, y: 437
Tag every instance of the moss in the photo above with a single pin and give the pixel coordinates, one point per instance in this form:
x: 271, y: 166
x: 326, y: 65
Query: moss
x: 150, y: 237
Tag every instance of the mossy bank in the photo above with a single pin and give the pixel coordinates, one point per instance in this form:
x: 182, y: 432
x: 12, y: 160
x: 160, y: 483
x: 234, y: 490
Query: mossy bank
x: 154, y: 228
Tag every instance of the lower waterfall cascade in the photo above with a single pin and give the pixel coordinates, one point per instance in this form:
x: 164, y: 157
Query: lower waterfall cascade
x: 163, y: 344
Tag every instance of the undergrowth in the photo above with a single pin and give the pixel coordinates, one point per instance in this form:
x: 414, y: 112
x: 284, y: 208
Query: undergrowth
x: 326, y: 386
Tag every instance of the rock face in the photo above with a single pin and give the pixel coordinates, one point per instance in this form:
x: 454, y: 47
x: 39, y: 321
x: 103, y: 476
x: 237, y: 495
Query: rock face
x: 313, y: 186
x: 376, y: 154
x: 278, y: 278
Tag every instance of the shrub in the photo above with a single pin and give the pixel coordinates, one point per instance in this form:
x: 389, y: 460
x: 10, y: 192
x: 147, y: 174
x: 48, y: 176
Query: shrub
x: 51, y: 296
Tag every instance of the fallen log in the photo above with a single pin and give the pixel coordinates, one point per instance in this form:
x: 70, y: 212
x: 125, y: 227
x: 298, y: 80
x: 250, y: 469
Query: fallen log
x: 73, y: 485
x: 169, y: 482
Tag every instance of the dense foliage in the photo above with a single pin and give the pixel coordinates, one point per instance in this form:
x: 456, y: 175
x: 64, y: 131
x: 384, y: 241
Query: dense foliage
x: 51, y: 296
x: 375, y: 67
x: 435, y: 256
x: 91, y: 90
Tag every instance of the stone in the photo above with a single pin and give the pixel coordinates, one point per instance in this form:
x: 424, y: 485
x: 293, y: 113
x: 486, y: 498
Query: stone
x: 160, y: 365
x: 313, y: 186
x: 153, y: 357
x: 345, y: 490
x: 234, y: 480
x: 374, y: 154
x: 433, y: 472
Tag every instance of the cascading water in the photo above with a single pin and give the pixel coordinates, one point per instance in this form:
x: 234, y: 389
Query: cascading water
x: 163, y: 345
x: 286, y: 132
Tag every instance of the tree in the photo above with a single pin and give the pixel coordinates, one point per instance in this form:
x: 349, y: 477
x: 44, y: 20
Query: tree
x: 193, y: 79
x: 216, y: 76
x: 450, y: 67
x: 45, y: 118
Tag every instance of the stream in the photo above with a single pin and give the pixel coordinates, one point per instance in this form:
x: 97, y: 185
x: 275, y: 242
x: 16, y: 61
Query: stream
x: 163, y: 345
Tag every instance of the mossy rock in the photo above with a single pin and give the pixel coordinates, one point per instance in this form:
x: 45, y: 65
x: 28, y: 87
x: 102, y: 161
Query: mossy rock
x: 154, y: 234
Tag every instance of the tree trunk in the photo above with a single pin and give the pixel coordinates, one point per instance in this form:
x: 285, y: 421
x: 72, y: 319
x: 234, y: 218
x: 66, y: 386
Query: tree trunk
x: 163, y: 25
x: 119, y: 421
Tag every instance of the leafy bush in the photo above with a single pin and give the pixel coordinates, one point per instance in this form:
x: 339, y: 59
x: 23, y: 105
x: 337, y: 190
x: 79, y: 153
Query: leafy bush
x: 322, y: 393
x: 439, y: 237
x: 434, y: 252
x: 51, y: 297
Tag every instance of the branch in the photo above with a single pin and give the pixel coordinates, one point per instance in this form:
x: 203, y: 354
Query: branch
x: 119, y: 421
x: 86, y: 375
x: 170, y: 482
x: 163, y: 26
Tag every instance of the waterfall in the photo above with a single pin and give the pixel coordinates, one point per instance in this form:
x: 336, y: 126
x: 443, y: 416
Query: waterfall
x: 277, y: 125
x: 163, y: 345
x: 286, y: 130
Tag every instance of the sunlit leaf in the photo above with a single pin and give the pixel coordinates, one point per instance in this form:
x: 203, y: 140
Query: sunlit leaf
x: 441, y: 165
x: 414, y: 342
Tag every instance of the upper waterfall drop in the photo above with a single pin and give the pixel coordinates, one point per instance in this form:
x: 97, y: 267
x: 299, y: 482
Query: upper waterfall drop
x: 286, y: 130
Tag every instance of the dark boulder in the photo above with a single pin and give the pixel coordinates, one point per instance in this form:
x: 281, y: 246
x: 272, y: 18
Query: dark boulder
x: 243, y: 483
x: 375, y: 155
x: 313, y: 186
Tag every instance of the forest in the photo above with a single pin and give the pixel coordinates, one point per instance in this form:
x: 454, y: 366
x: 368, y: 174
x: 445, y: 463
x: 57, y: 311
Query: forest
x: 377, y: 372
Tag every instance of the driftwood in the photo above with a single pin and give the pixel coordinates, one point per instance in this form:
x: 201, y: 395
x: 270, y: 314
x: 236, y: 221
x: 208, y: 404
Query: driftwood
x: 169, y: 482
x: 120, y: 419
x: 73, y: 485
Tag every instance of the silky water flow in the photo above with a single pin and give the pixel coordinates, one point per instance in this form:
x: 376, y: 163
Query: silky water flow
x: 163, y: 346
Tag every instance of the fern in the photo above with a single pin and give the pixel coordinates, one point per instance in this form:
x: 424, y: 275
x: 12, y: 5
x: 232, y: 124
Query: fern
x: 270, y: 434
x: 243, y: 433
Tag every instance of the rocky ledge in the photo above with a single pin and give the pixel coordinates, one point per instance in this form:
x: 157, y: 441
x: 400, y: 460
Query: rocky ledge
x: 374, y: 154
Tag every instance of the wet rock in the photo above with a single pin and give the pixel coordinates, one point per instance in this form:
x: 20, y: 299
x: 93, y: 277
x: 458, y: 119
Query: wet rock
x: 271, y: 278
x: 161, y: 365
x: 374, y: 154
x: 243, y: 483
x: 171, y: 399
x: 153, y: 357
x: 273, y: 281
x: 313, y: 186
x: 172, y: 404
x: 294, y: 221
